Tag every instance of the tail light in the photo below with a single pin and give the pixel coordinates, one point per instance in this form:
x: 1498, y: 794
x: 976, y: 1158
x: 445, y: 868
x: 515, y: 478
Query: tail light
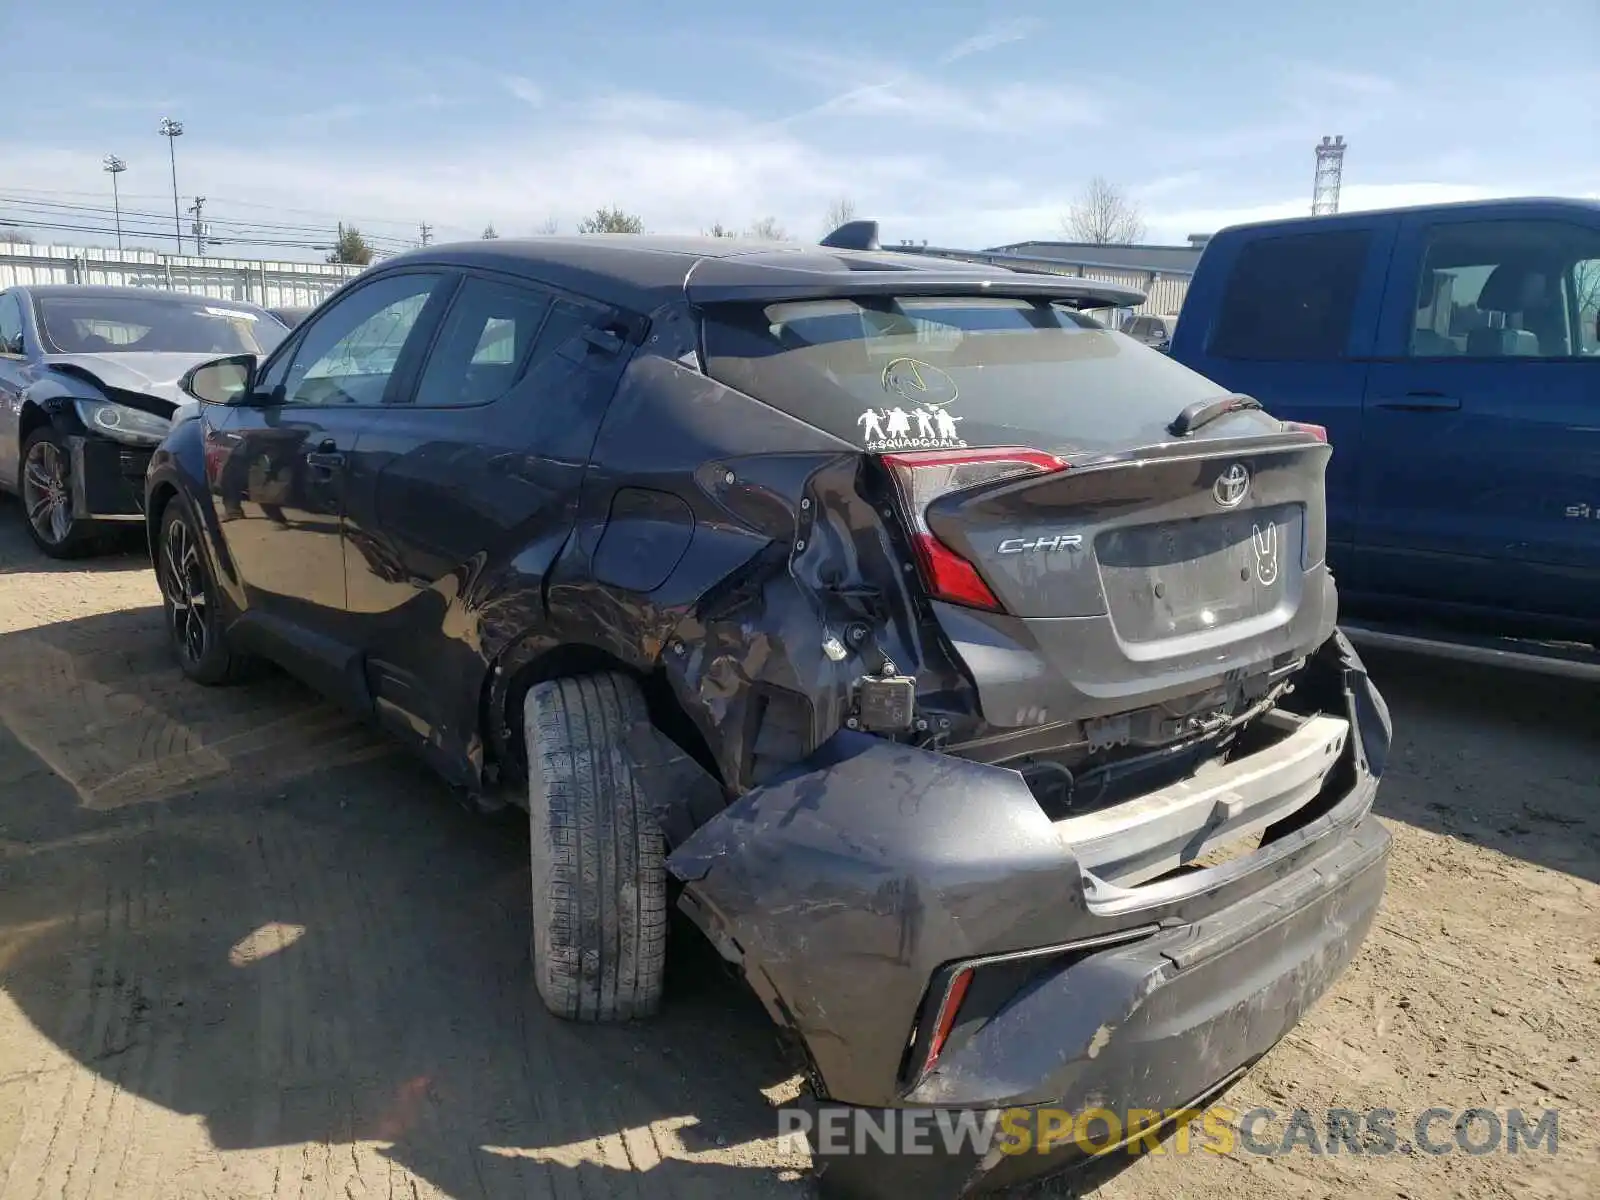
x: 949, y: 1009
x: 923, y: 476
x: 1320, y: 432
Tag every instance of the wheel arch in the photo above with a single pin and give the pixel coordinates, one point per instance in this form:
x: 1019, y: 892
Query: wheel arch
x: 536, y: 659
x: 33, y: 416
x: 161, y: 494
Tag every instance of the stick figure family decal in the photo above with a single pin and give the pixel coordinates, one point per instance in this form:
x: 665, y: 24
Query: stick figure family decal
x: 921, y: 420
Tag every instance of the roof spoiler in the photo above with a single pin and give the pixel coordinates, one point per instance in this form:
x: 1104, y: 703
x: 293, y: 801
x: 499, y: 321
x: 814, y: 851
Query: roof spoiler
x: 854, y: 235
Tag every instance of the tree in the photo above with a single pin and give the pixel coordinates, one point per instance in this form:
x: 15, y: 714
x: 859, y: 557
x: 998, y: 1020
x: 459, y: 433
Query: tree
x: 768, y: 230
x: 841, y: 212
x: 489, y: 234
x: 547, y: 226
x: 718, y: 229
x: 1105, y: 215
x: 1586, y: 283
x: 16, y: 237
x: 611, y: 220
x: 351, y: 247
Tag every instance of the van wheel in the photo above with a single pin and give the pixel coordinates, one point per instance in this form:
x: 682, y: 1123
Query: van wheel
x: 598, y: 857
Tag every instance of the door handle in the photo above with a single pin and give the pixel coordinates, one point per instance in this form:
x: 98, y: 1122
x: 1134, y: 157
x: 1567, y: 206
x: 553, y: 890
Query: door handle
x: 326, y: 456
x: 1421, y: 402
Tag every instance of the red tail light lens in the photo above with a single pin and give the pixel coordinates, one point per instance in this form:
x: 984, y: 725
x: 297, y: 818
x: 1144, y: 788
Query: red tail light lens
x: 1320, y: 432
x: 922, y: 476
x: 949, y: 1009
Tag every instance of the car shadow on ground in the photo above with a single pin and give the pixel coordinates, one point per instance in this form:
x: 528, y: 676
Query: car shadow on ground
x: 119, y: 548
x: 1499, y: 758
x: 338, y: 955
x: 345, y: 959
x: 318, y: 948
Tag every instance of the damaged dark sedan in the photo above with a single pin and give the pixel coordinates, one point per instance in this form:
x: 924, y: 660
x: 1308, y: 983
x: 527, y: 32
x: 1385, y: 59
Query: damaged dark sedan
x: 88, y: 384
x: 966, y: 671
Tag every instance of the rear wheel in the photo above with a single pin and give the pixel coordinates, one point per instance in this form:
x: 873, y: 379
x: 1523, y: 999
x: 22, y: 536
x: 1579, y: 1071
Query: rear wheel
x: 189, y: 601
x: 597, y: 856
x: 44, y: 481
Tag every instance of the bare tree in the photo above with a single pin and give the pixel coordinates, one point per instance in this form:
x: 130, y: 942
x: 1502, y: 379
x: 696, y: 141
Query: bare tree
x: 768, y: 230
x: 1105, y: 215
x: 841, y: 212
x: 1586, y: 282
x: 611, y: 220
x: 547, y: 226
x: 718, y: 229
x: 489, y: 233
x: 16, y: 237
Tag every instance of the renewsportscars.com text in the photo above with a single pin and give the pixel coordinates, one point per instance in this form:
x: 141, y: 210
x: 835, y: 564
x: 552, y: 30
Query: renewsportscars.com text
x: 835, y: 1131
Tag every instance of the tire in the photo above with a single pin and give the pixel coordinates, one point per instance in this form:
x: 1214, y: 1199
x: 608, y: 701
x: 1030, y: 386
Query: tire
x: 44, y: 484
x: 191, y: 605
x: 598, y: 858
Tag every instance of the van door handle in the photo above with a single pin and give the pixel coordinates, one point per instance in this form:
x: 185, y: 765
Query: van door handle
x: 1421, y: 402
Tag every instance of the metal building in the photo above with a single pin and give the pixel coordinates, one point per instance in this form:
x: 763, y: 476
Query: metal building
x: 269, y: 284
x: 1162, y: 273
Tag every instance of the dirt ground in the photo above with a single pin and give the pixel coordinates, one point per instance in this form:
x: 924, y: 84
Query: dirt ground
x: 247, y: 951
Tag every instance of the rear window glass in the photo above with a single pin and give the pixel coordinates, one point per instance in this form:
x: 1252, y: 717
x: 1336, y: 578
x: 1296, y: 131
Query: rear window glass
x: 167, y: 322
x: 1292, y: 298
x: 924, y: 373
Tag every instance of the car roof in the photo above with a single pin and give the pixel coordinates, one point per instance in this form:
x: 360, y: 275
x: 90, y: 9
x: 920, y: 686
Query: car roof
x: 1506, y: 207
x: 48, y: 290
x: 642, y: 272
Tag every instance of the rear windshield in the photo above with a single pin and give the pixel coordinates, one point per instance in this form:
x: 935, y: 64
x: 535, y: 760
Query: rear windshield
x: 920, y: 373
x: 166, y: 322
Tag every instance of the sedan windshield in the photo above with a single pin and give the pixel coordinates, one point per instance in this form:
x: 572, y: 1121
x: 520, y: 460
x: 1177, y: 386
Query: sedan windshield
x: 163, y: 321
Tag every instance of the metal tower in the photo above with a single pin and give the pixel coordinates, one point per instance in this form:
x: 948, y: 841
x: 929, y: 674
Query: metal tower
x: 1330, y: 171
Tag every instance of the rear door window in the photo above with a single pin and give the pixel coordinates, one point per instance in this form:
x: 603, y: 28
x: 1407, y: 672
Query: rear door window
x: 484, y: 344
x: 1290, y: 299
x: 917, y: 373
x: 1507, y: 289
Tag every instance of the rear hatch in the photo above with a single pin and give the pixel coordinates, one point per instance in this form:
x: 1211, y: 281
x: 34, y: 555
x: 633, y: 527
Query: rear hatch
x: 1082, y: 557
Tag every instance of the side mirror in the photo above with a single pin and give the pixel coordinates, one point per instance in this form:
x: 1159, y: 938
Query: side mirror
x: 222, y: 380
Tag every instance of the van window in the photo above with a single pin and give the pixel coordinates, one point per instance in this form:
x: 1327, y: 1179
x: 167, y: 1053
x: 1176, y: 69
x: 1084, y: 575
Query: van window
x: 1291, y: 298
x: 1507, y: 289
x: 1586, y: 292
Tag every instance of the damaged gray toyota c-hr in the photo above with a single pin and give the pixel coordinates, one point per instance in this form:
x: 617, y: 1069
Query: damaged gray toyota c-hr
x: 965, y: 670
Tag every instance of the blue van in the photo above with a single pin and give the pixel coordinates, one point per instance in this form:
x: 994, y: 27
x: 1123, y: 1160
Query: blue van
x: 1452, y: 353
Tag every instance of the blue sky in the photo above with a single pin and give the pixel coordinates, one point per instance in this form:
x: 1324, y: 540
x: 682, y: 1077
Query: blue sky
x: 967, y: 125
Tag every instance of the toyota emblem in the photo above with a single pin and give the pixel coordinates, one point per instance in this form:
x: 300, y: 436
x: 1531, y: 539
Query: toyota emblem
x: 1232, y: 486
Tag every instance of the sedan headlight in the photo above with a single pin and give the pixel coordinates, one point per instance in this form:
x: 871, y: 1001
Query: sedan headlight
x: 123, y: 424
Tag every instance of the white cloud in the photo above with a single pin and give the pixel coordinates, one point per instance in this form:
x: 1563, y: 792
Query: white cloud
x: 524, y: 89
x: 875, y: 86
x: 678, y: 166
x: 1001, y: 34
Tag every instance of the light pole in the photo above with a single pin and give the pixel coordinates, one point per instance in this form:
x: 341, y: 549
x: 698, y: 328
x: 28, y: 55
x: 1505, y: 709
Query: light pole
x: 172, y: 131
x: 115, y: 166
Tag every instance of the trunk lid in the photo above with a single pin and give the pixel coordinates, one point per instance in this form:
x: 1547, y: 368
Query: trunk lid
x: 1172, y: 570
x: 1168, y: 545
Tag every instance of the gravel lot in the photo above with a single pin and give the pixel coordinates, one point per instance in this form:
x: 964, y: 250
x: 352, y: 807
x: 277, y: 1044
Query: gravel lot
x: 248, y: 951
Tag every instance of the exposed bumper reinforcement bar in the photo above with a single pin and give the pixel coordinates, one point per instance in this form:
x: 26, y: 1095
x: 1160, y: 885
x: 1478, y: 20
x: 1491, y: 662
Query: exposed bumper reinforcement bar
x: 1127, y: 844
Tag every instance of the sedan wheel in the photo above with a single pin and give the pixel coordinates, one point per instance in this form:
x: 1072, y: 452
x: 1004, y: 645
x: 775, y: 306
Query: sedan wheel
x: 46, y: 489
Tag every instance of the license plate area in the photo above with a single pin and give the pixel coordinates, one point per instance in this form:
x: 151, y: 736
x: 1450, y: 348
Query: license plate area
x: 1185, y: 577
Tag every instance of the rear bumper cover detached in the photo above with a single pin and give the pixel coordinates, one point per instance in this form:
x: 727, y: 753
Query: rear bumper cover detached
x: 850, y: 887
